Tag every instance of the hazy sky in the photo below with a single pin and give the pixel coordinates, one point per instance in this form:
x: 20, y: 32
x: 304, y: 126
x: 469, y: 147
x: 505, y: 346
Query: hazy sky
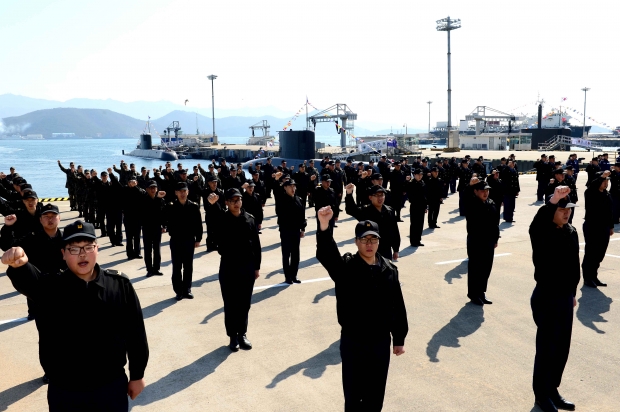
x: 384, y: 59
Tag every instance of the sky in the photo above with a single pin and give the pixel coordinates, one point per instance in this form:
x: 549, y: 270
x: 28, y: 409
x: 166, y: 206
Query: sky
x: 385, y: 59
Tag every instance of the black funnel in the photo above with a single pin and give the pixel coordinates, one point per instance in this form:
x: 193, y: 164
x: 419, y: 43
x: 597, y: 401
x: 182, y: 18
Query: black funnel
x: 540, y: 116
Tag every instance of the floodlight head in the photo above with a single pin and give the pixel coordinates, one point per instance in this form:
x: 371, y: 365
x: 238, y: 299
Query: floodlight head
x: 211, y: 77
x: 585, y: 89
x: 448, y: 24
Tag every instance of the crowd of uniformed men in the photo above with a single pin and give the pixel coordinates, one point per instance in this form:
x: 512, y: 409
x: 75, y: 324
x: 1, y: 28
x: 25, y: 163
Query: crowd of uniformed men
x: 151, y: 202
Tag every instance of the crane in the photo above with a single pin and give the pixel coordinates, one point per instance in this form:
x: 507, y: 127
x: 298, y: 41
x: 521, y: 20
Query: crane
x: 262, y: 125
x: 343, y: 114
x: 479, y: 114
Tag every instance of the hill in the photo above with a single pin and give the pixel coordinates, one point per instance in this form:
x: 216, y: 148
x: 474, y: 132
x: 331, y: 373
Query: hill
x: 82, y: 122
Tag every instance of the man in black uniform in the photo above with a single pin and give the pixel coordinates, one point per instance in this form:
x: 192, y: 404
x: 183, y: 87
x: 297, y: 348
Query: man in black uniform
x: 112, y: 191
x: 464, y: 174
x: 152, y: 218
x: 269, y: 170
x: 183, y: 223
x: 132, y: 196
x: 598, y: 227
x: 553, y: 298
x: 302, y: 182
x: 397, y: 187
x: 543, y: 174
x: 479, y: 169
x: 383, y: 215
x: 312, y: 171
x: 143, y: 179
x: 253, y: 204
x: 292, y: 226
x: 370, y: 308
x: 592, y: 169
x: 496, y: 193
x: 482, y: 237
x: 434, y: 194
x: 510, y: 181
x: 70, y: 184
x: 106, y: 314
x: 614, y: 191
x: 384, y: 169
x: 324, y: 195
x: 237, y: 276
x: 418, y: 204
x: 212, y: 212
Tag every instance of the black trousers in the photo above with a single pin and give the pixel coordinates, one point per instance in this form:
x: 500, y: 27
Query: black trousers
x: 597, y: 240
x: 365, y: 364
x: 90, y: 211
x: 211, y: 234
x: 132, y: 231
x: 111, y: 397
x: 453, y: 185
x: 304, y: 198
x: 290, y: 252
x: 151, y: 236
x: 397, y: 204
x: 182, y: 256
x: 416, y: 225
x: 553, y: 315
x: 433, y: 213
x: 72, y: 199
x: 479, y: 266
x: 114, y: 218
x: 101, y: 219
x: 236, y: 285
x: 540, y: 191
x: 616, y: 206
x: 462, y: 202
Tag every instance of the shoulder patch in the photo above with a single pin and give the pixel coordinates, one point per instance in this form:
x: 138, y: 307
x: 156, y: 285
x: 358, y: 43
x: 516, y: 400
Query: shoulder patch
x: 112, y: 272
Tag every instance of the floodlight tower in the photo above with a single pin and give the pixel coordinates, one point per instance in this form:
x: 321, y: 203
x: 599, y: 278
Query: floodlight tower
x: 212, y: 77
x: 585, y: 92
x: 448, y: 25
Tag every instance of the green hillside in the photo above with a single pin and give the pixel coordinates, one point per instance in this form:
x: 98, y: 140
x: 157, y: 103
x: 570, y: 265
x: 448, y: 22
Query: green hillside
x: 82, y: 122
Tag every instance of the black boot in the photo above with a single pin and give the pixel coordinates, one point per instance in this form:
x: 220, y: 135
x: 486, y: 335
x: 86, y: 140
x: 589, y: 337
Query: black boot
x: 234, y: 344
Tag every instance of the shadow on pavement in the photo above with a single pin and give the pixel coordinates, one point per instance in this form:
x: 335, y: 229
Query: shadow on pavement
x: 17, y: 393
x: 592, y: 304
x: 454, y: 219
x: 325, y: 293
x: 409, y: 250
x: 157, y: 308
x: 11, y: 325
x: 9, y: 295
x: 313, y: 367
x: 467, y: 321
x: 303, y: 264
x: 256, y: 298
x: 182, y: 378
x: 457, y: 272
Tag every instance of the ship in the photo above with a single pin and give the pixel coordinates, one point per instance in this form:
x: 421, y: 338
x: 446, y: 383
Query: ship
x: 146, y: 149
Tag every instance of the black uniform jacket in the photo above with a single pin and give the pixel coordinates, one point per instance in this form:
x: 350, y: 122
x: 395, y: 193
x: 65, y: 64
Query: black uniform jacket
x: 599, y: 209
x: 555, y: 275
x: 183, y: 221
x: 238, y: 244
x: 88, y: 330
x: 370, y: 302
x: 291, y: 213
x: 481, y: 220
x: 253, y: 204
x: 386, y: 220
x: 416, y: 192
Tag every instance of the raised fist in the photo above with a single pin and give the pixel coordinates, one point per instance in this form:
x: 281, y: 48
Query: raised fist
x: 473, y: 181
x: 559, y: 193
x: 15, y: 257
x: 313, y: 178
x: 161, y: 194
x: 325, y: 214
x: 10, y: 220
x: 109, y: 170
x: 213, y: 198
x: 350, y: 188
x: 195, y: 178
x: 408, y: 178
x: 245, y: 185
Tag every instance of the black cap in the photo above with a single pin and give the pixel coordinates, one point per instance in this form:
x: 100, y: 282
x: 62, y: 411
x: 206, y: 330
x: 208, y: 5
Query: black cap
x: 143, y: 168
x: 251, y: 184
x: 376, y: 189
x: 211, y: 178
x: 50, y: 208
x: 331, y: 162
x: 434, y: 169
x: 617, y: 164
x: 132, y: 178
x: 29, y: 194
x: 418, y: 172
x: 543, y: 155
x: 239, y: 164
x: 104, y: 173
x: 360, y: 163
x: 211, y: 166
x: 559, y: 171
x: 396, y: 163
x: 152, y: 183
x: 338, y: 161
x: 366, y: 228
x: 558, y: 163
x: 24, y: 186
x: 301, y: 165
x: 481, y: 158
x: 376, y: 176
x: 569, y: 167
x: 230, y: 193
x: 465, y: 161
x: 184, y: 171
x: 383, y: 156
x: 132, y: 164
x: 550, y: 156
x: 565, y: 203
x: 482, y: 185
x: 467, y: 156
x: 504, y: 159
x: 326, y: 178
x: 290, y: 182
x: 259, y: 163
x: 232, y: 169
x: 180, y: 186
x: 78, y: 229
x: 18, y: 181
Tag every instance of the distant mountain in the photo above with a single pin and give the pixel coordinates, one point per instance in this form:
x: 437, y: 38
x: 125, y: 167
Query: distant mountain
x: 13, y: 105
x: 82, y: 122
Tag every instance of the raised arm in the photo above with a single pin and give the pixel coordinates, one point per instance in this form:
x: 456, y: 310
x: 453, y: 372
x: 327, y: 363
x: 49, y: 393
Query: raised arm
x: 326, y: 249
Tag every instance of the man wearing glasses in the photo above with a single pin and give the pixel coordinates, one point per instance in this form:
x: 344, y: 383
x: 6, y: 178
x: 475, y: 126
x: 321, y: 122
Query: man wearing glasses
x: 92, y: 324
x: 371, y: 311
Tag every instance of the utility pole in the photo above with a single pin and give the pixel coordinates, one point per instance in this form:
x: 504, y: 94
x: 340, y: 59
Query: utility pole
x: 448, y: 25
x: 212, y: 77
x: 429, y: 116
x: 585, y: 92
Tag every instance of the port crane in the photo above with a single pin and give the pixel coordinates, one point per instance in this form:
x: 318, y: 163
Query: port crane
x: 343, y: 114
x: 479, y: 114
x: 262, y: 125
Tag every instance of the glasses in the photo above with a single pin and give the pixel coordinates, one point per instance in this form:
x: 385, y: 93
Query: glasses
x: 235, y: 200
x: 368, y: 241
x: 75, y: 250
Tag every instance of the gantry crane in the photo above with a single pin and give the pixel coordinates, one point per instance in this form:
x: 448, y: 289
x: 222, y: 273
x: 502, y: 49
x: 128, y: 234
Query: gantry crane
x: 343, y: 114
x: 479, y: 114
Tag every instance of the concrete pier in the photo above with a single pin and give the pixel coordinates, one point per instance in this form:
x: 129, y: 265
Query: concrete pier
x: 459, y: 357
